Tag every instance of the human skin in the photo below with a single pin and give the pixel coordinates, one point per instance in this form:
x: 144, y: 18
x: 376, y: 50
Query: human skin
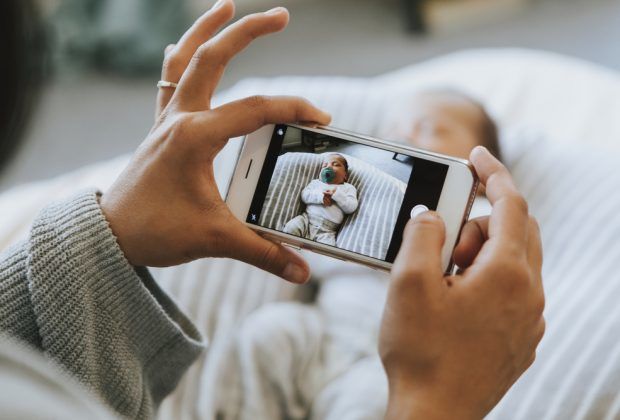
x: 442, y: 122
x: 165, y: 208
x: 454, y: 342
x: 327, y: 198
x: 336, y: 163
x: 453, y: 345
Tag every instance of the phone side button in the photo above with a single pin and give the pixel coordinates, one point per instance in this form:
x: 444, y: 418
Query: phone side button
x: 270, y: 237
x: 295, y: 247
x: 324, y: 253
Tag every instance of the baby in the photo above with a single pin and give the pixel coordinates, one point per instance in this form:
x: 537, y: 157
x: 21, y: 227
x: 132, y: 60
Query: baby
x: 327, y: 200
x: 445, y: 121
x: 321, y: 359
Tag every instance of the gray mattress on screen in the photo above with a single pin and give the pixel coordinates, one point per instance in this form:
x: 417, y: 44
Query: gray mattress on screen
x: 367, y: 231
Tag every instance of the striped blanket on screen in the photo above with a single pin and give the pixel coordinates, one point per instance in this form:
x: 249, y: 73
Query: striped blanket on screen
x: 367, y: 231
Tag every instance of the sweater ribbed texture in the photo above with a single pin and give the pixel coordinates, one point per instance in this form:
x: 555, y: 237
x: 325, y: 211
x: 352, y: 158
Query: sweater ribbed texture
x: 69, y: 291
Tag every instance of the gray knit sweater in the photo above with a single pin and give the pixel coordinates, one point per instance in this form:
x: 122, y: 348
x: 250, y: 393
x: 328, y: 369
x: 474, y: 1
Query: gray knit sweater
x: 69, y: 292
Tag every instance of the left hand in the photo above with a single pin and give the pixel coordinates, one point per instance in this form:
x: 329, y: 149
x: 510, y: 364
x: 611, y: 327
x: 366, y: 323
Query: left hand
x: 165, y: 208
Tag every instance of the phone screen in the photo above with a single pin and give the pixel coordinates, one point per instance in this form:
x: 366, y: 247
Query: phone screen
x: 340, y: 193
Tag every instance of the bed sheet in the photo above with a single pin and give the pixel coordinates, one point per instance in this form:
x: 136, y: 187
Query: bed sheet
x: 553, y: 109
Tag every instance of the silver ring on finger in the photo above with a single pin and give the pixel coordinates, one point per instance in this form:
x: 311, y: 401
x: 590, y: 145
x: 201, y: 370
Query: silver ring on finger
x: 166, y: 84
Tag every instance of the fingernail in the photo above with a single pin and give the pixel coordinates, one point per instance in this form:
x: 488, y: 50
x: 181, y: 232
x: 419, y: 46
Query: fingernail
x: 275, y: 10
x: 295, y: 273
x: 480, y: 149
x: 219, y: 3
x: 427, y: 215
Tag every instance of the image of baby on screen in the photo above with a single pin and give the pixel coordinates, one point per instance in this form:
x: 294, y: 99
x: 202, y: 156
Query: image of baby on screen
x: 327, y: 199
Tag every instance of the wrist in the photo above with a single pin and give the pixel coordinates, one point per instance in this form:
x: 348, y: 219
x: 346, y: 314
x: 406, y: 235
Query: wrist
x: 405, y: 403
x: 111, y: 215
x: 409, y: 401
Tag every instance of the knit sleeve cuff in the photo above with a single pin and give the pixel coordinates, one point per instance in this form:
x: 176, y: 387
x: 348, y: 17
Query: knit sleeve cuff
x: 98, y: 316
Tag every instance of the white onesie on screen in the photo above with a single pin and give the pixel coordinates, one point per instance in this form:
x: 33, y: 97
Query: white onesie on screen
x: 319, y: 222
x: 344, y: 198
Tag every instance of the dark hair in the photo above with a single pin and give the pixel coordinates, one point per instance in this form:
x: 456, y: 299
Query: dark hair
x: 22, y: 71
x: 488, y: 131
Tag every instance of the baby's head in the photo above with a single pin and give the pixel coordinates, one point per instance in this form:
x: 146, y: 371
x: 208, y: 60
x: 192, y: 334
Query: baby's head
x: 340, y: 167
x: 448, y: 122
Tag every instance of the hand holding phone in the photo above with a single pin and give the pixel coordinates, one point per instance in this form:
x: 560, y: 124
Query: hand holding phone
x: 453, y: 345
x: 351, y: 197
x: 165, y: 208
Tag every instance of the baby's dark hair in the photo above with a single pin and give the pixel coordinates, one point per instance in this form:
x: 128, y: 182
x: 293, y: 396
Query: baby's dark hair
x: 488, y: 129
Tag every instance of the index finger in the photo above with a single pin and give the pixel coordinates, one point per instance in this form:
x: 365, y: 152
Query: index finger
x: 178, y: 56
x: 247, y: 115
x: 210, y: 59
x: 509, y: 217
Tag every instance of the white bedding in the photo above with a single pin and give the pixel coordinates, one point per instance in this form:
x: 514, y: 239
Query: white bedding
x: 561, y: 144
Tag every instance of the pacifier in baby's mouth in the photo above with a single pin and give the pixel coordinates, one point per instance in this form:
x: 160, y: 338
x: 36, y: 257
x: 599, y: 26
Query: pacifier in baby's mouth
x: 327, y: 175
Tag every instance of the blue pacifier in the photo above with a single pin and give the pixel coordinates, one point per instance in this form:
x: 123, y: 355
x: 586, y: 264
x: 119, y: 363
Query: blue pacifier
x: 327, y: 175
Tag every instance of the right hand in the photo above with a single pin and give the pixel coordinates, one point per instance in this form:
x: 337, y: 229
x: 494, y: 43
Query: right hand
x: 327, y: 198
x: 453, y: 345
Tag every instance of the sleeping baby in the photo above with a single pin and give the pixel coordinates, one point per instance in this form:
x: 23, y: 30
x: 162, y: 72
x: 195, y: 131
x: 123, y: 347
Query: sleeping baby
x: 320, y: 360
x: 328, y: 199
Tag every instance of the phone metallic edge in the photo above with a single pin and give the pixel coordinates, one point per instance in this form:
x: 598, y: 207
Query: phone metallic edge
x: 455, y: 202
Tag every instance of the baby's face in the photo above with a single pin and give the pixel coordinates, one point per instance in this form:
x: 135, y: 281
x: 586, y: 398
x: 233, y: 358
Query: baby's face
x: 442, y: 123
x: 336, y: 163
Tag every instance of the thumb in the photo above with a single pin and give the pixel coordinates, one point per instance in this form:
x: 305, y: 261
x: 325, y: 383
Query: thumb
x: 247, y: 115
x: 253, y: 249
x: 419, y: 259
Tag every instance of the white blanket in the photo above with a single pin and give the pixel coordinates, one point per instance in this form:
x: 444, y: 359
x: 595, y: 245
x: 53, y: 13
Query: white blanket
x: 568, y: 173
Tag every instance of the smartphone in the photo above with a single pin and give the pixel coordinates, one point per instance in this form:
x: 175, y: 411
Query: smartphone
x: 345, y: 195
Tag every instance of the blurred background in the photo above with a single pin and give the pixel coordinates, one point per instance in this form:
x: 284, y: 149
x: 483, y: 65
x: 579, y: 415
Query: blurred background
x: 105, y: 56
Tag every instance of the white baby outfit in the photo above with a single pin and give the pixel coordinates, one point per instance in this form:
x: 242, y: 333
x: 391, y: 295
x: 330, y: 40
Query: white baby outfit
x: 320, y: 222
x: 319, y: 361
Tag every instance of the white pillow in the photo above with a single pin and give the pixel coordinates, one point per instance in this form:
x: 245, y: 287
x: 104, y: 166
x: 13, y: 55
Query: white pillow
x: 572, y: 189
x: 574, y: 194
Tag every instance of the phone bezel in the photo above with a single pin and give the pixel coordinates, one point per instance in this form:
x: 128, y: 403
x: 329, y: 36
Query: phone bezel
x: 455, y: 201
